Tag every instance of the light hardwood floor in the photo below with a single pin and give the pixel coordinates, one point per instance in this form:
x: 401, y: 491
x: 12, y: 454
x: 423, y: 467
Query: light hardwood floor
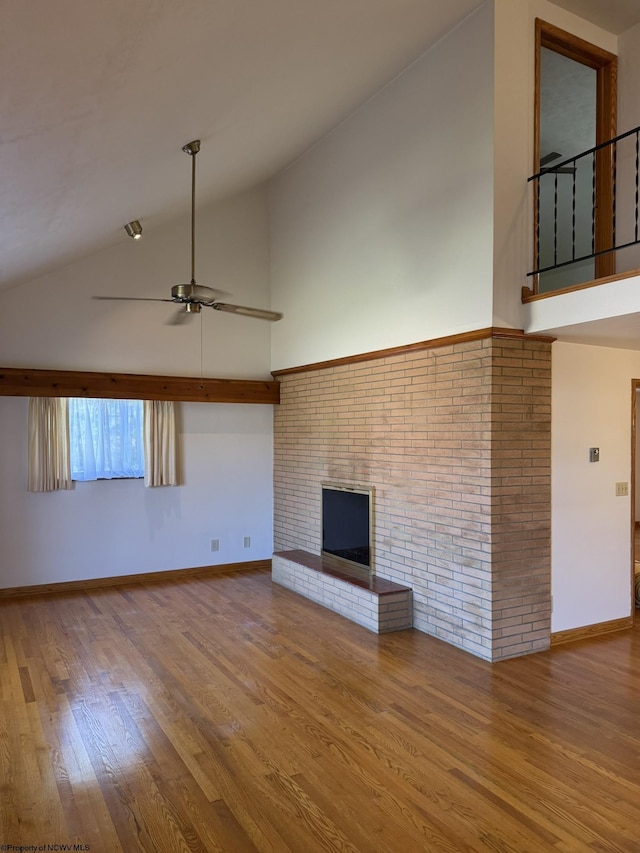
x: 228, y: 714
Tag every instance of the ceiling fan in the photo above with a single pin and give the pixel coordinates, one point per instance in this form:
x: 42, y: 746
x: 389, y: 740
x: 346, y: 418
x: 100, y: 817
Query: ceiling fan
x: 192, y: 297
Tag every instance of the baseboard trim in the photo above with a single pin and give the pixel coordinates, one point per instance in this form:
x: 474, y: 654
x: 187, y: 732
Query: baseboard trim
x: 587, y: 632
x: 127, y: 580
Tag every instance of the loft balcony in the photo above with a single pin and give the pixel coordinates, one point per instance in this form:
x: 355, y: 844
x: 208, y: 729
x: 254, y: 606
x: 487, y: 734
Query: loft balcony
x: 586, y: 217
x: 587, y: 233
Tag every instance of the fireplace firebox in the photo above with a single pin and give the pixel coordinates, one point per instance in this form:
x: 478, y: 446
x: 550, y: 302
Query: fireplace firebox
x: 347, y: 514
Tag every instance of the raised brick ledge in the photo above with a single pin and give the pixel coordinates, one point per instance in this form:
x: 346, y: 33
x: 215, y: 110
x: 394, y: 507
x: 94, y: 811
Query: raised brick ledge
x: 377, y: 604
x: 335, y: 569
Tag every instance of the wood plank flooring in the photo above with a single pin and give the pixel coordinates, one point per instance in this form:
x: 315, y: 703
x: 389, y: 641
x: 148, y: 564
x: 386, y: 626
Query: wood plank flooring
x: 228, y: 714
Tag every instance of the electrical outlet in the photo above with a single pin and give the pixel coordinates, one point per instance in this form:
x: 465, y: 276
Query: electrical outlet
x: 622, y: 489
x: 215, y: 544
x: 247, y: 542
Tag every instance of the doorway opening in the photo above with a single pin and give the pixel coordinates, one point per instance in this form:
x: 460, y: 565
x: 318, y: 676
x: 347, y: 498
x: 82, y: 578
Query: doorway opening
x: 575, y: 111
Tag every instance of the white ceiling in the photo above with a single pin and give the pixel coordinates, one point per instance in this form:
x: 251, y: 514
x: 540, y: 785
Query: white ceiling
x: 616, y: 16
x: 97, y: 100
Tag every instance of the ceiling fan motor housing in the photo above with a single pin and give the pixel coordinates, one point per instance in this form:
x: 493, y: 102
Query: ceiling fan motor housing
x: 192, y: 293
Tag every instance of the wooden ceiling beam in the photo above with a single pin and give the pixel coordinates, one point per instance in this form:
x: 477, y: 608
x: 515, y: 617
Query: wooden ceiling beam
x: 24, y: 382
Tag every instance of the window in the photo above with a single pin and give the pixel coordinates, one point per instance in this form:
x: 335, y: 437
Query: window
x: 106, y: 439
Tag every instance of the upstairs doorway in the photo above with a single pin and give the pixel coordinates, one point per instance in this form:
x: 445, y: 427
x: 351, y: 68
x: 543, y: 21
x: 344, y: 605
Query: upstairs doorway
x: 575, y: 110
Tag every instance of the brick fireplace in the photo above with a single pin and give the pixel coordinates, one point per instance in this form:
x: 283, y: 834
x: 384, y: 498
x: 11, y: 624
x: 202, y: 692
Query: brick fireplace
x: 455, y: 438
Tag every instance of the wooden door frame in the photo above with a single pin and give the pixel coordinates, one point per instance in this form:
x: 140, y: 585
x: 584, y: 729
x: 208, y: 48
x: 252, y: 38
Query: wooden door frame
x: 606, y: 66
x: 635, y: 388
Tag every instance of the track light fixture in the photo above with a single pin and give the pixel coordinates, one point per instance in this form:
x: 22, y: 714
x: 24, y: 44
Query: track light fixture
x: 134, y: 229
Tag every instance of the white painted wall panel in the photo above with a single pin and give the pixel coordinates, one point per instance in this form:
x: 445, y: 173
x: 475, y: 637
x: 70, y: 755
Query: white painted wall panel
x: 118, y: 527
x: 382, y: 233
x: 591, y: 527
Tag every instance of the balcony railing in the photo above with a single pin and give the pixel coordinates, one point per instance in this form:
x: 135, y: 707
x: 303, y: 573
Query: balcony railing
x: 587, y: 213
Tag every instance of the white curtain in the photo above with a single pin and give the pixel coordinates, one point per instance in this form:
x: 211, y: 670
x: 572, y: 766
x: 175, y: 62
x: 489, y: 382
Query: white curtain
x: 160, y: 455
x: 49, y: 466
x: 106, y: 438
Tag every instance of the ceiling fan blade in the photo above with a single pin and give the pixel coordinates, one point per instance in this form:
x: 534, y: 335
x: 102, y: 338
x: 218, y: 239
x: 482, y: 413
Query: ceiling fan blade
x: 130, y: 299
x: 259, y: 313
x: 179, y: 318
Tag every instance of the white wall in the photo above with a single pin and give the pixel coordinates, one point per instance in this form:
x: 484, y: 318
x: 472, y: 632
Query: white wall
x: 413, y: 219
x: 117, y: 527
x: 591, y: 527
x: 53, y: 322
x: 382, y: 234
x: 111, y: 528
x: 629, y: 79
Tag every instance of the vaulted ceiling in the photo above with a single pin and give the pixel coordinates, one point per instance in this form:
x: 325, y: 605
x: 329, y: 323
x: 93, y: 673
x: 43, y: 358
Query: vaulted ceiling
x: 97, y: 100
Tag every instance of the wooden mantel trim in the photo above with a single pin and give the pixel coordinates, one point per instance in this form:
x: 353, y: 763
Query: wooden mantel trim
x: 24, y: 382
x: 434, y: 343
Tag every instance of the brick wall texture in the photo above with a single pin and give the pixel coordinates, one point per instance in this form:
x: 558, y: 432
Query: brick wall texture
x: 456, y: 441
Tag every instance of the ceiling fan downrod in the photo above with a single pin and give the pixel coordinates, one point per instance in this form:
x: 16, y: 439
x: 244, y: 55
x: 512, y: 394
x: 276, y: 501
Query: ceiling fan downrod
x: 192, y: 149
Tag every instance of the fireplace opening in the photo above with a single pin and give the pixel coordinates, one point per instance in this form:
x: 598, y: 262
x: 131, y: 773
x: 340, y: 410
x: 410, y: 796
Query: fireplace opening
x: 347, y: 524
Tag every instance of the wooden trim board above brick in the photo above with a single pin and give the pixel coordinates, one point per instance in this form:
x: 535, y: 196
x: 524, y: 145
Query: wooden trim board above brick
x: 434, y: 343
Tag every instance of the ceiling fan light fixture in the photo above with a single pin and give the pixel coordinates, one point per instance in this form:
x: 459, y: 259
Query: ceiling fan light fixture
x: 134, y: 229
